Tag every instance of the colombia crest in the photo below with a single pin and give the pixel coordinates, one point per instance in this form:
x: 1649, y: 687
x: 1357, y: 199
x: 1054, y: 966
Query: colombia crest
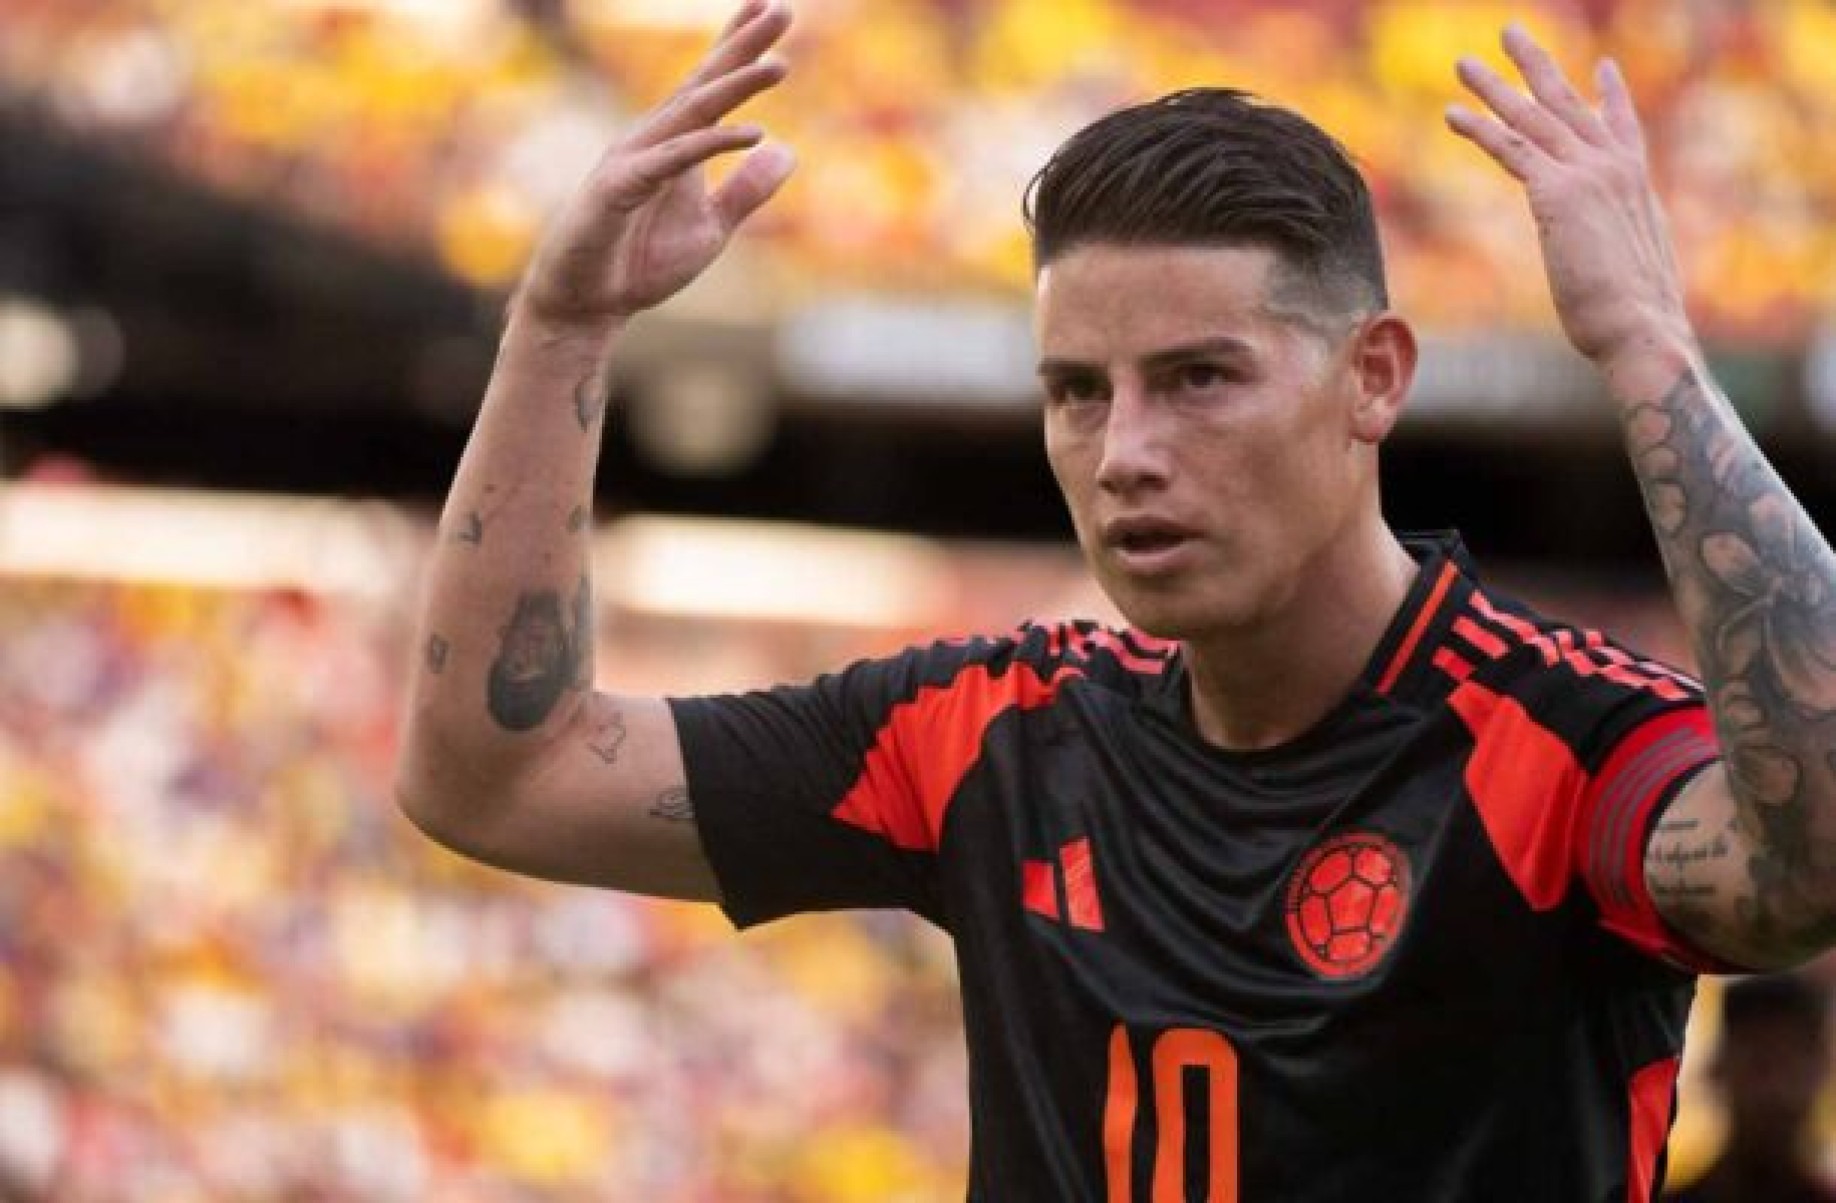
x: 1346, y: 903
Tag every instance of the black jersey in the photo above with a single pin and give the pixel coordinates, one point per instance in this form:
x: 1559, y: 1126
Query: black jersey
x: 1408, y: 956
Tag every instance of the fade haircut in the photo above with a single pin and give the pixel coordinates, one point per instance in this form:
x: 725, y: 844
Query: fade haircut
x: 1217, y: 167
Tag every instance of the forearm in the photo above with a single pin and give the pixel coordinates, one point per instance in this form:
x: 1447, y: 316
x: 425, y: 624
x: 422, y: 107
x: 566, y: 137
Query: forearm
x: 506, y: 634
x: 1755, y: 584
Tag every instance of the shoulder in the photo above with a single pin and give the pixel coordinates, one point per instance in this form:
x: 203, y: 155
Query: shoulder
x: 1028, y: 665
x: 1581, y: 685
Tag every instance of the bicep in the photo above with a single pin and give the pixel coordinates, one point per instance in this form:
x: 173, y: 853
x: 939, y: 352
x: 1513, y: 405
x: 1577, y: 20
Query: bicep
x: 606, y: 804
x: 1700, y: 863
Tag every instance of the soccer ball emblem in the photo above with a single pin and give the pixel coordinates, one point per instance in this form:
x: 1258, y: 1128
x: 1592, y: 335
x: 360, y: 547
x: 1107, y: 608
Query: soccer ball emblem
x: 1346, y: 903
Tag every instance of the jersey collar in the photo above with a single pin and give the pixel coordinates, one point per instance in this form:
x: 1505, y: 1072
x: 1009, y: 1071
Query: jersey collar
x: 1408, y: 662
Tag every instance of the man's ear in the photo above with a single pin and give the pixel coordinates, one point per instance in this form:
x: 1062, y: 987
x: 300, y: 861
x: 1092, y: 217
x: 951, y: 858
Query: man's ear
x: 1382, y: 368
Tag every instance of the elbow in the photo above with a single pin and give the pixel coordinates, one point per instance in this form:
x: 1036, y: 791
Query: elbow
x: 435, y: 795
x: 429, y: 808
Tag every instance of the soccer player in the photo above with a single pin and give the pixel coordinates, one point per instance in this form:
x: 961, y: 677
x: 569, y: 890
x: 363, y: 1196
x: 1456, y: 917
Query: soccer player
x: 1336, y: 874
x: 1772, y: 1062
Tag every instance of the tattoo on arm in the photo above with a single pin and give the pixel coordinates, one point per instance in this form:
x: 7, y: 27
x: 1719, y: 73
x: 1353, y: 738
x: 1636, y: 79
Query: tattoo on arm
x: 471, y: 526
x: 471, y: 529
x: 1756, y: 584
x: 673, y: 806
x: 577, y: 520
x: 608, y: 732
x: 590, y: 396
x: 437, y: 649
x: 544, y: 652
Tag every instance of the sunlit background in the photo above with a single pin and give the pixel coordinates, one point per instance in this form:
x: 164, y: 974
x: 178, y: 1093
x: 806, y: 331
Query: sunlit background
x: 252, y: 258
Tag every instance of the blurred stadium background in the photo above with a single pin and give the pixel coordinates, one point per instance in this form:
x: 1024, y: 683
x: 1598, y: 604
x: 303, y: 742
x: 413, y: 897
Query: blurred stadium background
x: 252, y: 258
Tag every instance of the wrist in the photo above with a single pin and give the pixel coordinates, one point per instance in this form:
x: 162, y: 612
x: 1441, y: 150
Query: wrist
x: 525, y: 320
x: 1646, y: 363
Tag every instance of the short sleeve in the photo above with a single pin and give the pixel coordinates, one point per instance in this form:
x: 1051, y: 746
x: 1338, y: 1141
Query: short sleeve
x: 1624, y: 797
x: 1571, y: 769
x: 834, y: 794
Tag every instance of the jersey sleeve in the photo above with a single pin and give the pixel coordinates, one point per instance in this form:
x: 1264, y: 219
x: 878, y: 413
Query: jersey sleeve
x: 1571, y: 771
x: 1657, y: 749
x: 834, y: 794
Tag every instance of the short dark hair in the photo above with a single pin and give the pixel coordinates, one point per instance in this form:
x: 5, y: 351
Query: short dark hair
x: 1778, y: 997
x: 1215, y: 167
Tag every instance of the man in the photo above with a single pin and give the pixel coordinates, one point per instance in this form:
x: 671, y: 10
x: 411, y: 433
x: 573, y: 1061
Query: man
x: 1771, y: 1064
x: 1336, y: 875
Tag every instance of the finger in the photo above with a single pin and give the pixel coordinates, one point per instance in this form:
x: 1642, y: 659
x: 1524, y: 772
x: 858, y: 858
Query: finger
x: 1508, y: 148
x: 1616, y: 106
x: 709, y: 103
x: 756, y: 181
x: 1550, y: 86
x: 642, y: 176
x: 1513, y: 108
x: 744, y: 40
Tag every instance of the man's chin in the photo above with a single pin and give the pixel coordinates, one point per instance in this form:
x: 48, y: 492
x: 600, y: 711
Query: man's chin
x: 1179, y: 615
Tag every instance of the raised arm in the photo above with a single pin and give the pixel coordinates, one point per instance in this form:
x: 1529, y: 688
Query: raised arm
x: 1743, y: 862
x: 510, y: 755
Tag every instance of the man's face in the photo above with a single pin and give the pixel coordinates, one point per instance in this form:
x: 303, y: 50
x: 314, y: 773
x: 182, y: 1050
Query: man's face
x: 1201, y: 433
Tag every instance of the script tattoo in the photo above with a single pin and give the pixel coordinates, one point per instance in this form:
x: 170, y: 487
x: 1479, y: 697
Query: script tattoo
x: 543, y: 653
x: 673, y: 805
x: 1756, y: 584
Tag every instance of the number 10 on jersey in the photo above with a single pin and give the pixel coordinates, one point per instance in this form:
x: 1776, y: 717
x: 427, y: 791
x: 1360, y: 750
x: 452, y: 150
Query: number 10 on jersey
x: 1170, y: 1054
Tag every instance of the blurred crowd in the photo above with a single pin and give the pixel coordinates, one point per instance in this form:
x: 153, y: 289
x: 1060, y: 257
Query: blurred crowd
x: 230, y: 971
x: 452, y: 126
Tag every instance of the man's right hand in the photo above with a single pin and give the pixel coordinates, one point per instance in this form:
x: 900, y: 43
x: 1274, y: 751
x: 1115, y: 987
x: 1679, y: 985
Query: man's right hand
x: 645, y: 223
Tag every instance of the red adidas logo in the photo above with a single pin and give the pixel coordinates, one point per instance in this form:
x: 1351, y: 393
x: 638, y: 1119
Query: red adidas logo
x: 1072, y: 893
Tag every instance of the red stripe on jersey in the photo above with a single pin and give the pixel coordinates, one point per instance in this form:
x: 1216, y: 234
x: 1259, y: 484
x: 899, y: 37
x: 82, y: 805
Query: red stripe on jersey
x: 1650, y: 1096
x: 1081, y: 903
x: 1039, y: 887
x: 1401, y: 659
x: 1616, y: 812
x: 1491, y: 645
x: 1649, y: 667
x: 926, y: 747
x: 1152, y: 658
x: 1590, y: 658
x: 1518, y: 766
x: 1452, y: 663
x: 1517, y: 626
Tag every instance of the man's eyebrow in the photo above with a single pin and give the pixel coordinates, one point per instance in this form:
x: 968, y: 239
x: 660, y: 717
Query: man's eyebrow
x: 1223, y: 344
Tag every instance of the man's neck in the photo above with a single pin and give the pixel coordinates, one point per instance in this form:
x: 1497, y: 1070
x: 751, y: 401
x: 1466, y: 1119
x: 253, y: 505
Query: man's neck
x: 1263, y: 685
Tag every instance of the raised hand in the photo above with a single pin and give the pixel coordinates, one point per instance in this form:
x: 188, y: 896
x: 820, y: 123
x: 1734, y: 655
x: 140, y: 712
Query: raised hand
x: 1606, y: 247
x: 645, y: 223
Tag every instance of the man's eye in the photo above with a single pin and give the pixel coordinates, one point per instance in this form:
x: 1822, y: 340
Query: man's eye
x: 1199, y: 376
x: 1076, y: 390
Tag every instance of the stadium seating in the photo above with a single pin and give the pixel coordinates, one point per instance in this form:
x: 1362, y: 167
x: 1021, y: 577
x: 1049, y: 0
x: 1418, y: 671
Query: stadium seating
x: 452, y: 129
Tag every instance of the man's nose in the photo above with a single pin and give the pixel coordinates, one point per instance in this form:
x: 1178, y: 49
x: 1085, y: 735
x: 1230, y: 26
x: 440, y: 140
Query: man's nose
x: 1134, y: 444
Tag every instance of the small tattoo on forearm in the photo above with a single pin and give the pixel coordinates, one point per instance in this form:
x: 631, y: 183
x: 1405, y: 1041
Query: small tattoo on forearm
x: 577, y: 520
x: 471, y: 529
x: 673, y: 805
x: 590, y: 399
x: 437, y: 649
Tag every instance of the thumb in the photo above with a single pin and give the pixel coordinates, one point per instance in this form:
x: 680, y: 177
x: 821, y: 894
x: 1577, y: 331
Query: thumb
x: 756, y: 180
